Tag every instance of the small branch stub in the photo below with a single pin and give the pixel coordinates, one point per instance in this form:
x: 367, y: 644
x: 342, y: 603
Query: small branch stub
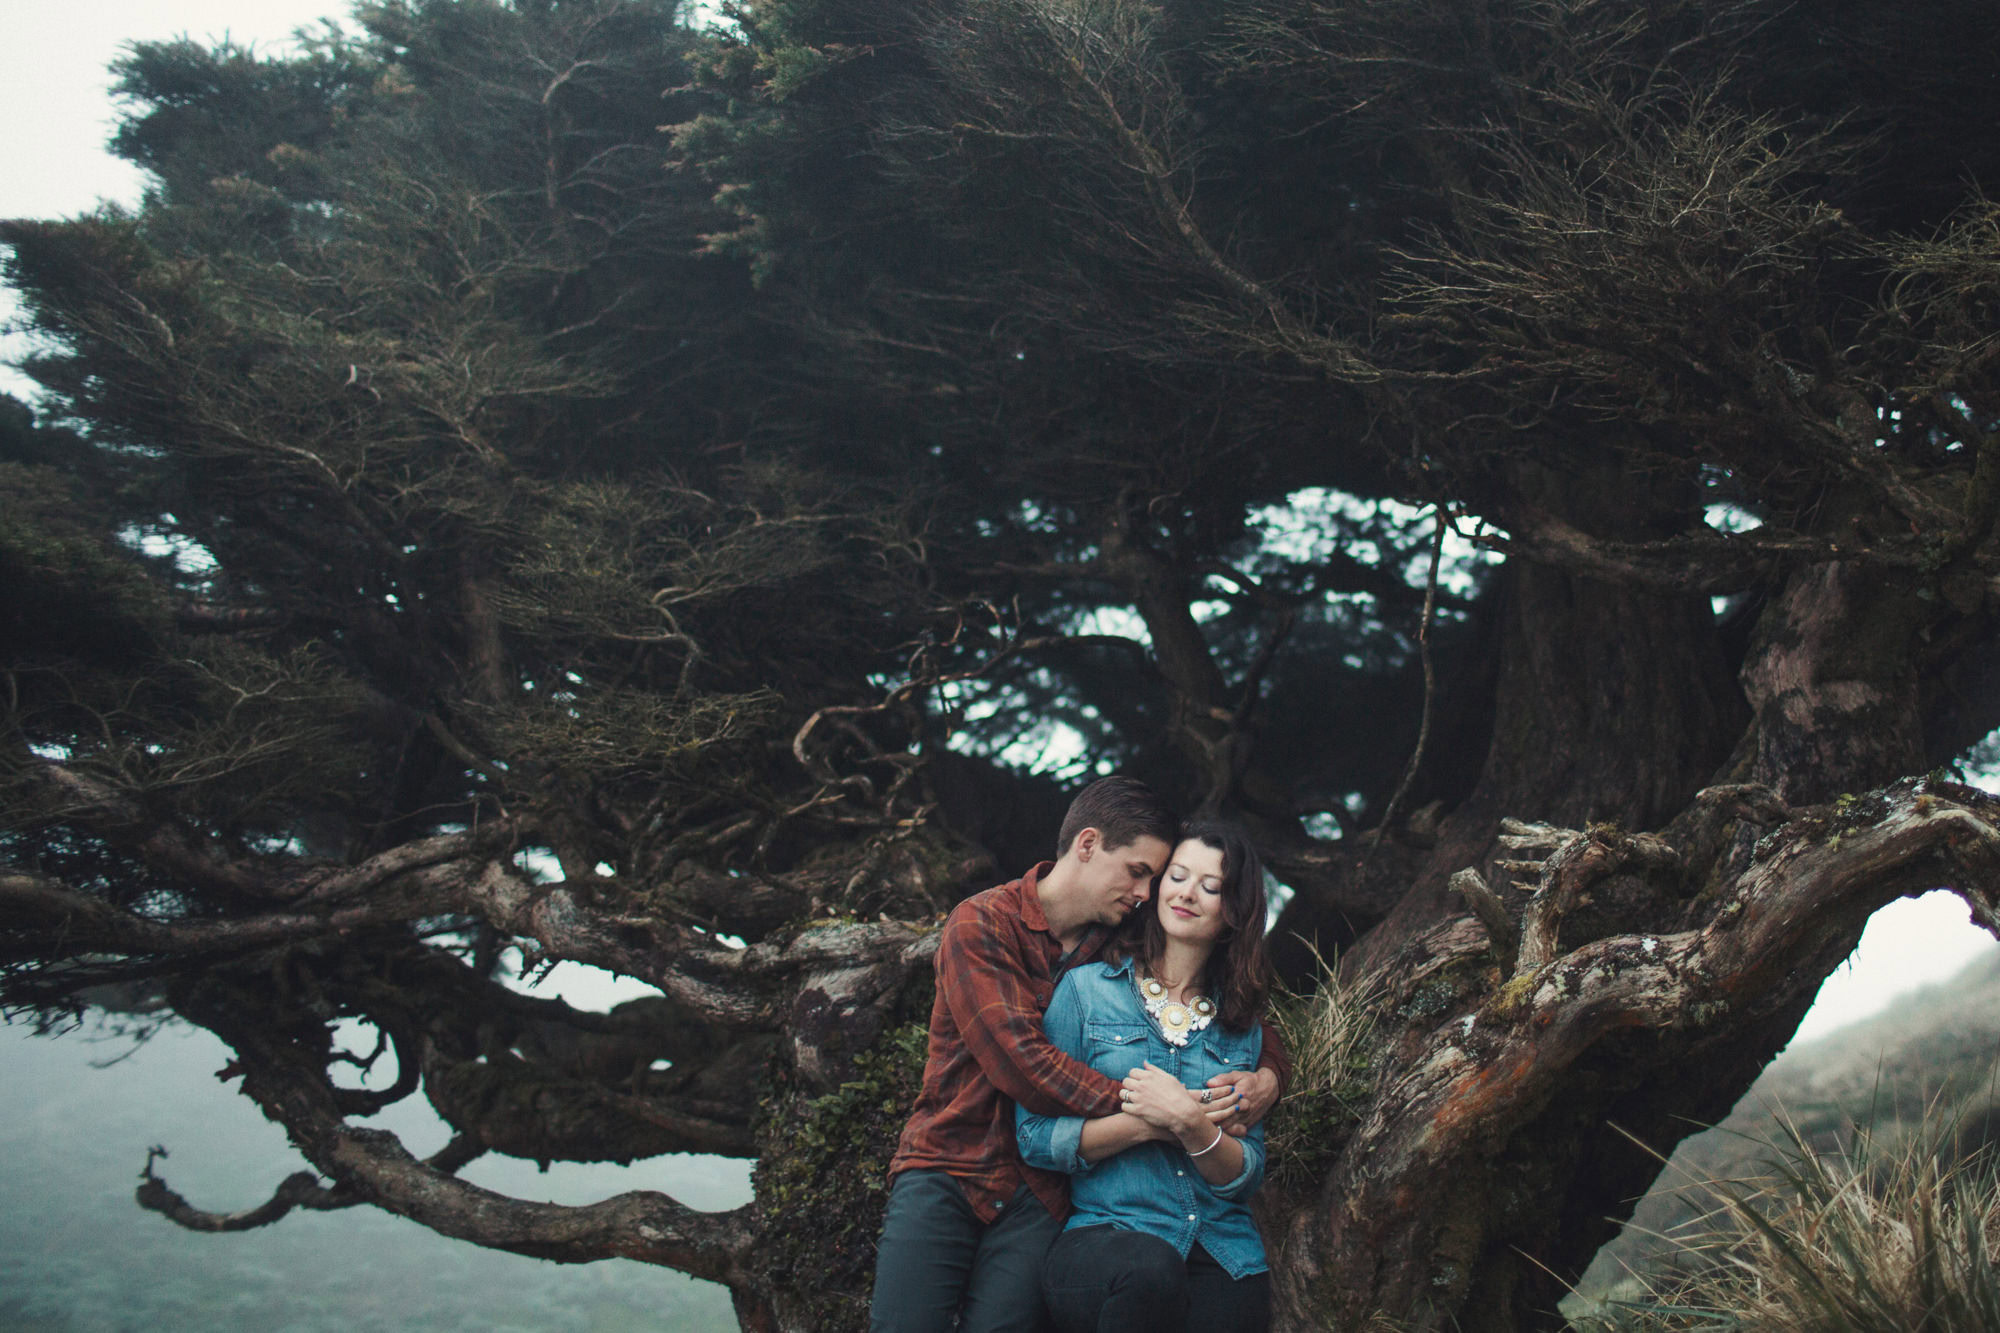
x: 1492, y: 914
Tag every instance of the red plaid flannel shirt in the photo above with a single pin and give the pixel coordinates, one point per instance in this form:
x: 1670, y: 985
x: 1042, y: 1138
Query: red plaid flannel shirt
x: 997, y: 967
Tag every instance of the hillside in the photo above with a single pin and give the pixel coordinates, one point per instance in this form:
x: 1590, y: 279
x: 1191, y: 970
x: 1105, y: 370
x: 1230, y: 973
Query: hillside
x: 1936, y: 1048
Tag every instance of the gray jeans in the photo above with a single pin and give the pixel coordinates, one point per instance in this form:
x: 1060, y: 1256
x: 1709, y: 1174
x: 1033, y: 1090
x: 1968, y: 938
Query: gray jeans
x: 937, y: 1261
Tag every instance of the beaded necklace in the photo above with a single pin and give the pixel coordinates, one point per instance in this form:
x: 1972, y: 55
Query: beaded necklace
x: 1177, y: 1021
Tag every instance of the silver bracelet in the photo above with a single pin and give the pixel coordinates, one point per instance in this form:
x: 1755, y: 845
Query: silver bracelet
x: 1210, y: 1147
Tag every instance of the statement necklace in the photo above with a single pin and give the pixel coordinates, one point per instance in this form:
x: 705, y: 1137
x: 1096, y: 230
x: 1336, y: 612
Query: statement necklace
x: 1177, y: 1021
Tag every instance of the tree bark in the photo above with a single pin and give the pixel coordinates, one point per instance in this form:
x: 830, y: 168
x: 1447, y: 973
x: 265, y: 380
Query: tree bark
x: 1452, y: 1194
x: 1472, y: 1192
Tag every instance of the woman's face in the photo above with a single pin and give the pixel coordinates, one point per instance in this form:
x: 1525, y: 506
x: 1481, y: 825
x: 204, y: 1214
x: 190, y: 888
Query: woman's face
x: 1190, y: 900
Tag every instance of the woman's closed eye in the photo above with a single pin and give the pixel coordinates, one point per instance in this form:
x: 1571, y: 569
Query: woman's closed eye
x: 1181, y: 874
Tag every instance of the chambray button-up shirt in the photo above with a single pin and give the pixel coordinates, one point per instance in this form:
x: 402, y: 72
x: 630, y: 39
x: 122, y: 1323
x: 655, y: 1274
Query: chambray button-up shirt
x: 1152, y: 1187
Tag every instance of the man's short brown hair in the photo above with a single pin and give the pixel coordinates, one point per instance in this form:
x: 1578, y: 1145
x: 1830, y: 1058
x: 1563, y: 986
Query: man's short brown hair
x: 1124, y: 810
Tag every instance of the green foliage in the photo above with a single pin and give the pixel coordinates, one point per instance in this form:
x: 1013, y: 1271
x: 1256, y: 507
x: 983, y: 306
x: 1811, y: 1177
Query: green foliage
x: 260, y: 738
x: 62, y: 586
x: 822, y: 1181
x: 385, y: 350
x: 206, y: 118
x: 615, y: 734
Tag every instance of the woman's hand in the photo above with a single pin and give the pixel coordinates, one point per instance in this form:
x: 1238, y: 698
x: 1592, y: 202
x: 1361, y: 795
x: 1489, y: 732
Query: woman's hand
x: 1258, y: 1089
x: 1157, y: 1097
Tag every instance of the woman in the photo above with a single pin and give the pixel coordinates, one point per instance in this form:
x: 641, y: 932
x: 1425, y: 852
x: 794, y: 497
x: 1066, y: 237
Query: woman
x: 1161, y: 1238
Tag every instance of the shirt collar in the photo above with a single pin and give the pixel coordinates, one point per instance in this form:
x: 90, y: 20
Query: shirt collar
x: 1121, y: 967
x: 1031, y: 898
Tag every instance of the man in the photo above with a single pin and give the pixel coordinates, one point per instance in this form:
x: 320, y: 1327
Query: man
x: 967, y: 1224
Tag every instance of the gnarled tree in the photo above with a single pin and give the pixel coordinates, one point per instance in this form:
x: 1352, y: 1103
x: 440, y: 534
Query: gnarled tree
x: 1534, y: 463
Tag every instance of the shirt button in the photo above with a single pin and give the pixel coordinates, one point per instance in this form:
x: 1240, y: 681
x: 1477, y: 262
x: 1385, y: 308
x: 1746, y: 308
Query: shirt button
x: 1190, y: 1217
x: 998, y: 1206
x: 1180, y: 1173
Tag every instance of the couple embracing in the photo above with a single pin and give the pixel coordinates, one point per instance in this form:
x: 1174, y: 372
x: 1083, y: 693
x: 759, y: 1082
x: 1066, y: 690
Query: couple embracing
x: 1078, y: 1058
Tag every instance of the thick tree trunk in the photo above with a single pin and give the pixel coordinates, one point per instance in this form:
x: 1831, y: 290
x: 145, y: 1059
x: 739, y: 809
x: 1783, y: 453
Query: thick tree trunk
x: 1514, y: 1080
x: 1613, y: 705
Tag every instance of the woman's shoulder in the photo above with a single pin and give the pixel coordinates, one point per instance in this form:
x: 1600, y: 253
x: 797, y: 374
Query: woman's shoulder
x: 1096, y: 980
x: 1092, y: 975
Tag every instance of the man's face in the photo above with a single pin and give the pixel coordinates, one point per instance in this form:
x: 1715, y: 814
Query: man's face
x: 1118, y: 879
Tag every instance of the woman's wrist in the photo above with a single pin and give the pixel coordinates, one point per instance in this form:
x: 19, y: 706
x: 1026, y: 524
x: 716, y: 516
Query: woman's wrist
x: 1197, y: 1134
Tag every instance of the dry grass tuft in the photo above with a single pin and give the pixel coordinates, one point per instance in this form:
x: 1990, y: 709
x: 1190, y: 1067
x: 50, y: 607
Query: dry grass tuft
x: 1903, y: 1240
x: 1330, y: 1032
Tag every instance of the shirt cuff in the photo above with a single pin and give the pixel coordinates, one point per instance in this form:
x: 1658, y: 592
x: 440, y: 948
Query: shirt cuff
x: 1066, y: 1143
x: 1243, y: 1183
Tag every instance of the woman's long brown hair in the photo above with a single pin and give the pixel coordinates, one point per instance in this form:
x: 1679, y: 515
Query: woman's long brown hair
x: 1238, y: 975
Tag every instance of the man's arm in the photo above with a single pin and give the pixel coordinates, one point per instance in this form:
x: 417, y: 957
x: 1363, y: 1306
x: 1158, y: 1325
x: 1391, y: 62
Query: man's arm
x: 1071, y: 1143
x: 986, y: 988
x: 1276, y: 1059
x: 1261, y: 1089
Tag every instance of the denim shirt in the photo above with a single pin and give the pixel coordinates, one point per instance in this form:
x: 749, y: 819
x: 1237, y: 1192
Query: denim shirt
x: 1097, y: 1017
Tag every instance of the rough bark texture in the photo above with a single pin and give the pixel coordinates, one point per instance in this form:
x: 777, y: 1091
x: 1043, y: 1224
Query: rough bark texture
x: 1480, y: 1120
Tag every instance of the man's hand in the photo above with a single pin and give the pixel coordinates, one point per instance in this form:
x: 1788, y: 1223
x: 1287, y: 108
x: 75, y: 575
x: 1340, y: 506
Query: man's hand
x: 1259, y: 1093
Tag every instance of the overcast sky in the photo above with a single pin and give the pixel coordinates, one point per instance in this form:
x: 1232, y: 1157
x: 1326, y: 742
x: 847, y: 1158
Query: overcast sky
x: 54, y: 101
x: 56, y: 116
x: 55, y: 105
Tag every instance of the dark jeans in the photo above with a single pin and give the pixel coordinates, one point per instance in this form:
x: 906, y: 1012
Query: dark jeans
x: 937, y: 1260
x: 1104, y: 1280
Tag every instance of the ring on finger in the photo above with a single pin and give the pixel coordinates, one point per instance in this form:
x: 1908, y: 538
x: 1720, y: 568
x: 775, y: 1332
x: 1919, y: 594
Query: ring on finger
x: 1207, y: 1096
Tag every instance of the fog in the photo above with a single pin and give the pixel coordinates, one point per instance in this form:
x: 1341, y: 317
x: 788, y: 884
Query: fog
x: 76, y: 1253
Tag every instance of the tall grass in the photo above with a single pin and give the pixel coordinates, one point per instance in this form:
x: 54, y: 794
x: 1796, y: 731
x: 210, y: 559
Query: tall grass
x: 1330, y: 1032
x: 1902, y: 1239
